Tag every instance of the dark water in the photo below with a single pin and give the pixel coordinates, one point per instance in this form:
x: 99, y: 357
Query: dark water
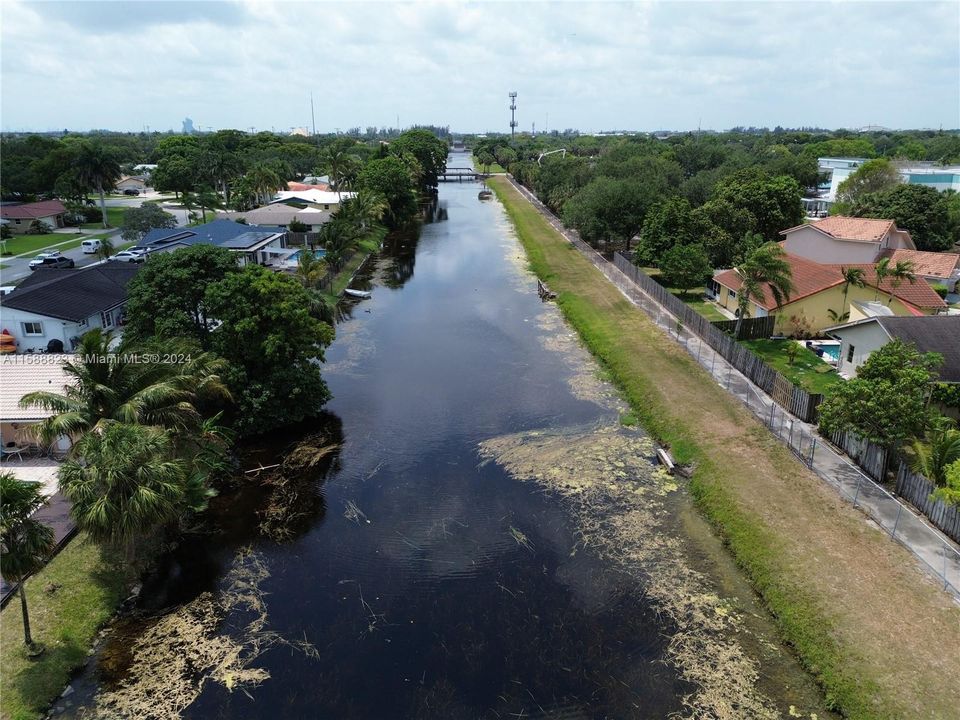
x: 433, y: 608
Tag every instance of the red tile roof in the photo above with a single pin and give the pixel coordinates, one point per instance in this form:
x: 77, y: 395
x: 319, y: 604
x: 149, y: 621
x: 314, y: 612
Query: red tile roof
x: 918, y: 293
x: 298, y: 186
x: 31, y: 211
x: 927, y: 264
x: 809, y: 278
x: 850, y: 228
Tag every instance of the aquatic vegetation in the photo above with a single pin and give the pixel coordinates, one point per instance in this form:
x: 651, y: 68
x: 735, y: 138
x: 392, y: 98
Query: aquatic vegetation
x: 202, y: 642
x: 617, y: 497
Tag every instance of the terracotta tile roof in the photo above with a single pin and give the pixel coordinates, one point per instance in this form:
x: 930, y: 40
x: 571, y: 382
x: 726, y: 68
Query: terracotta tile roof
x: 32, y: 211
x: 20, y: 374
x: 927, y: 264
x: 918, y: 293
x: 305, y: 186
x: 809, y: 278
x: 849, y: 228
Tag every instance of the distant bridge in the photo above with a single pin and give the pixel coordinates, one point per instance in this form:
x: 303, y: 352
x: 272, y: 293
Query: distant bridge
x: 459, y: 174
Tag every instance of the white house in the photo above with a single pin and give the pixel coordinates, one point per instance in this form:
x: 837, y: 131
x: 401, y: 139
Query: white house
x: 933, y: 333
x: 282, y: 215
x: 58, y: 305
x: 320, y: 199
x: 22, y: 374
x: 132, y: 182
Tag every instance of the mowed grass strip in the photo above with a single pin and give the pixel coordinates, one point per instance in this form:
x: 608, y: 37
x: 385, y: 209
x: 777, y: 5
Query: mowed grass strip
x: 69, y: 600
x: 876, y: 632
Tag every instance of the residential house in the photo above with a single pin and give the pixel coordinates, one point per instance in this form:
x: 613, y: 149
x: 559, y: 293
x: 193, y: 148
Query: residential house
x: 19, y: 216
x: 841, y: 240
x: 252, y: 244
x: 301, y: 186
x: 821, y: 299
x: 319, y: 199
x: 58, y: 306
x: 281, y: 215
x: 24, y: 374
x: 939, y: 334
x: 132, y: 182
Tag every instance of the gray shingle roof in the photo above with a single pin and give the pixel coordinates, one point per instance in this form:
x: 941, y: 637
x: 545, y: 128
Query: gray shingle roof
x: 72, y: 294
x: 935, y: 333
x: 224, y: 233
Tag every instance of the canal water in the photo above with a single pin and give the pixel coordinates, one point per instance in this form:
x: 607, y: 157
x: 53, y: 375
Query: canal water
x: 490, y: 539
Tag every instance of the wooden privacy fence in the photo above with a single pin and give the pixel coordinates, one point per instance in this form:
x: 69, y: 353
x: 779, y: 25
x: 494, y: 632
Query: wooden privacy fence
x: 917, y: 490
x: 871, y: 458
x: 295, y: 239
x: 759, y: 328
x: 797, y: 401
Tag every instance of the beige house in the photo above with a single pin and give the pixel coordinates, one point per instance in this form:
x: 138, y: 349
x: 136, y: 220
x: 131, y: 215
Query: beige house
x: 820, y: 298
x: 281, y: 215
x: 840, y: 240
x: 132, y: 182
x: 23, y: 374
x: 19, y: 216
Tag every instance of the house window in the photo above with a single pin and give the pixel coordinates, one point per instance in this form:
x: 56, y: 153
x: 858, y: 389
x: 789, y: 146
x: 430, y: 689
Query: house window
x: 16, y: 220
x: 850, y: 353
x: 732, y: 294
x: 32, y: 328
x: 106, y: 319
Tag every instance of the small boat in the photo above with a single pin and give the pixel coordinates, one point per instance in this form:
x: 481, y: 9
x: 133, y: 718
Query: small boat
x: 484, y: 195
x: 357, y: 293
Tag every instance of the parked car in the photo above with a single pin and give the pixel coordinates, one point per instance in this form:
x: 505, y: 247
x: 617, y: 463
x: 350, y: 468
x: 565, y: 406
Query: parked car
x: 90, y: 246
x: 51, y: 260
x: 131, y: 191
x: 134, y: 256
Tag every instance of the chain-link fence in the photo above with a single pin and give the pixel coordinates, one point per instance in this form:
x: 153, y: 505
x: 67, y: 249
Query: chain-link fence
x: 935, y: 551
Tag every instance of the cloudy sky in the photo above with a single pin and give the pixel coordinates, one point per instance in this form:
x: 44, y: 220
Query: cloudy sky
x: 597, y: 66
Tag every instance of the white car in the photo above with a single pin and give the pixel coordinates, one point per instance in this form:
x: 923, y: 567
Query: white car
x: 51, y: 260
x: 134, y: 256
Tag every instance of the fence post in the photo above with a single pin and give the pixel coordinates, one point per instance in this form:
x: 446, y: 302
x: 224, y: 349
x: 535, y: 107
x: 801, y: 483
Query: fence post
x: 813, y: 448
x: 857, y: 494
x: 897, y: 521
x: 772, y: 407
x: 945, y: 583
x: 699, y: 348
x: 713, y: 361
x: 729, y: 369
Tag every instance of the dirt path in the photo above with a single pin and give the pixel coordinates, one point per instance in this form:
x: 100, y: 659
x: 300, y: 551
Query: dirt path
x: 880, y: 637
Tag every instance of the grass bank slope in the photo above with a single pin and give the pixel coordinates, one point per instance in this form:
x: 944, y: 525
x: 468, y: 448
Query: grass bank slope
x: 878, y: 635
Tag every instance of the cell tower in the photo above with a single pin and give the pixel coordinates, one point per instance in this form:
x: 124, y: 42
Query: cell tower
x: 513, y: 110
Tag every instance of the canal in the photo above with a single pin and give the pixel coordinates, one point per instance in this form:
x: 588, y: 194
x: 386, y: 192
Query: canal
x: 490, y: 539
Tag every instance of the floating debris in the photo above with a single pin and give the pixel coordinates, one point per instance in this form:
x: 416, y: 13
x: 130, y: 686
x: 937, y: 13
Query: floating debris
x: 354, y: 514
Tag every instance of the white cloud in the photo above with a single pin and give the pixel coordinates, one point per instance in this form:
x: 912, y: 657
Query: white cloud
x: 592, y: 66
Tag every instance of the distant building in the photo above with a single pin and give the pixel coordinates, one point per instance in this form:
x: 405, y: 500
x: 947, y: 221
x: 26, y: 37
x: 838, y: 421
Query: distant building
x: 300, y: 132
x: 939, y: 177
x: 19, y: 216
x: 132, y: 182
x: 280, y: 215
x: 320, y: 199
x: 188, y: 126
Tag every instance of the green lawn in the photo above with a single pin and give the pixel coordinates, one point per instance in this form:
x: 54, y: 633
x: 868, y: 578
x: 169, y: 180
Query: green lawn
x: 114, y: 218
x: 19, y: 244
x: 694, y: 297
x: 494, y: 168
x: 69, y: 600
x: 807, y: 370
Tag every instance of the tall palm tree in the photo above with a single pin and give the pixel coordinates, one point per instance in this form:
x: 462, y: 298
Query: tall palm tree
x: 366, y: 210
x: 106, y: 249
x: 310, y: 269
x: 264, y: 181
x: 935, y: 453
x: 123, y: 483
x: 764, y: 267
x: 882, y: 270
x: 903, y: 270
x: 341, y: 166
x: 851, y: 276
x: 339, y: 238
x: 98, y: 168
x: 109, y: 385
x: 26, y: 543
x: 208, y: 199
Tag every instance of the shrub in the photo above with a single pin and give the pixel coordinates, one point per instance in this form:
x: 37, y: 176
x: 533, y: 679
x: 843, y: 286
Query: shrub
x: 941, y: 290
x: 297, y: 226
x: 38, y: 227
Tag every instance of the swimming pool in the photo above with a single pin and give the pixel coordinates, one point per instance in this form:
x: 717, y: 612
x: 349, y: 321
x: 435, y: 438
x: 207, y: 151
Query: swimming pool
x: 319, y: 254
x: 831, y: 350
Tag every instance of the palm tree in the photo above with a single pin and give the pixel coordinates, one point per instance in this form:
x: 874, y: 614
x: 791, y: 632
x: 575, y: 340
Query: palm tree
x: 366, y: 210
x: 903, y: 270
x: 933, y: 455
x: 339, y: 239
x: 123, y: 483
x: 208, y: 199
x: 105, y: 250
x: 264, y: 181
x: 851, y: 276
x: 882, y: 270
x: 26, y: 543
x: 764, y: 267
x: 110, y: 385
x: 341, y: 166
x: 310, y: 269
x: 98, y: 168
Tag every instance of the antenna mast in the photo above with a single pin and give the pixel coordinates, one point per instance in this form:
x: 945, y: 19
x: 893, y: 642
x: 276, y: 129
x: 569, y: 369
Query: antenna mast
x: 513, y: 109
x: 313, y: 118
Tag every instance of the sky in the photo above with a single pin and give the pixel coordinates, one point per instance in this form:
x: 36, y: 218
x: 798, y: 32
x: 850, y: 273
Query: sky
x: 589, y: 66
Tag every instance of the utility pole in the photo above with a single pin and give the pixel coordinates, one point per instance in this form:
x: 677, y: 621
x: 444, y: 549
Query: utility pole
x: 513, y: 110
x: 313, y: 118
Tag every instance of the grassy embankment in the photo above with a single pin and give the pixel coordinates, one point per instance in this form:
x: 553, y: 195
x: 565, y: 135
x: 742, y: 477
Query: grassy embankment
x: 69, y: 600
x: 494, y: 167
x: 864, y: 620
